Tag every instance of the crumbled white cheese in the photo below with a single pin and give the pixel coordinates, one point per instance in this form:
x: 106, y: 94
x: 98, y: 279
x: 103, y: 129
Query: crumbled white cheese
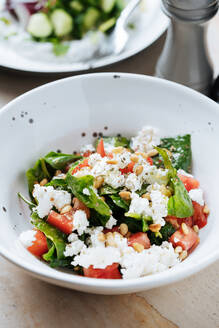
x: 48, y: 197
x: 182, y: 172
x: 145, y: 140
x: 111, y: 222
x: 75, y: 247
x: 159, y: 207
x: 86, y: 148
x: 59, y: 176
x: 80, y: 222
x: 133, y: 182
x: 93, y: 240
x: 86, y: 191
x: 139, y: 205
x: 27, y: 238
x: 197, y: 196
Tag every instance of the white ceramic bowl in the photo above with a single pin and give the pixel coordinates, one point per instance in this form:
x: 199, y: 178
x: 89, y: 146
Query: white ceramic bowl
x: 55, y: 115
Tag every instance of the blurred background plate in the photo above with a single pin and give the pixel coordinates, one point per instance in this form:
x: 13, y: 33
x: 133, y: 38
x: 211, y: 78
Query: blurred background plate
x: 151, y: 24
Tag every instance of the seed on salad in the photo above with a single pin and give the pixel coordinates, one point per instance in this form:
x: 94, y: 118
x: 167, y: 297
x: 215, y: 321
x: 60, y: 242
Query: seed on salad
x: 117, y: 234
x: 101, y: 236
x: 58, y: 172
x: 152, y: 153
x: 139, y: 170
x: 134, y: 158
x: 165, y: 191
x: 128, y: 234
x: 66, y: 209
x: 196, y: 228
x: 155, y: 227
x: 183, y: 255
x: 77, y: 268
x: 98, y: 182
x: 118, y: 150
x: 206, y: 209
x: 112, y: 161
x: 178, y: 250
x: 126, y: 195
x: 184, y: 228
x: 123, y: 229
x: 43, y: 182
x: 110, y: 240
x: 138, y: 247
x: 147, y: 196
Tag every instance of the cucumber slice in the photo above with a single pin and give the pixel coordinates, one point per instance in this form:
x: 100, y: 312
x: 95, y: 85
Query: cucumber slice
x: 39, y: 25
x: 62, y: 22
x: 76, y: 5
x: 107, y: 24
x: 90, y: 18
x: 107, y: 5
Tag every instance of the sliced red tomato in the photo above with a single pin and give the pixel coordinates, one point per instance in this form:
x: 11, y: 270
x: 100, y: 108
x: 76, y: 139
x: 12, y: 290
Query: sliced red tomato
x: 187, y: 242
x: 176, y: 222
x: 114, y: 229
x: 150, y: 160
x: 110, y: 272
x: 80, y: 166
x: 199, y: 217
x: 189, y: 182
x: 39, y: 246
x: 128, y: 169
x: 140, y: 238
x: 100, y: 148
x: 63, y: 222
x: 78, y: 205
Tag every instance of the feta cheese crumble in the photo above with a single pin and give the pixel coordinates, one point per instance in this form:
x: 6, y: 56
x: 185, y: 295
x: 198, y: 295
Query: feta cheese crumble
x: 75, y: 247
x: 80, y: 222
x: 197, y: 196
x: 27, y: 238
x: 47, y: 197
x: 111, y: 222
x: 145, y: 140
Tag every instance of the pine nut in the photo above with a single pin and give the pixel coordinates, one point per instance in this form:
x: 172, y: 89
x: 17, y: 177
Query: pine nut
x: 155, y: 227
x: 43, y: 182
x: 110, y: 240
x: 126, y: 195
x: 138, y: 247
x: 66, y: 209
x: 101, y: 236
x: 178, y: 249
x: 134, y: 158
x: 118, y: 150
x: 152, y: 153
x: 183, y: 255
x: 98, y: 181
x: 77, y: 268
x: 112, y: 161
x: 117, y: 234
x: 123, y: 229
x: 196, y: 228
x: 147, y: 196
x: 139, y: 170
x: 206, y: 209
x: 184, y: 228
x: 58, y: 172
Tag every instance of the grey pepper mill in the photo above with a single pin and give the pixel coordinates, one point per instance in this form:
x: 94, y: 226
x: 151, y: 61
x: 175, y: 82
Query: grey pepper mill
x: 184, y: 58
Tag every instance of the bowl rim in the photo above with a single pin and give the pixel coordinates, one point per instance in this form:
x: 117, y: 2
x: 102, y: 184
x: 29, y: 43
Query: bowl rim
x: 150, y: 281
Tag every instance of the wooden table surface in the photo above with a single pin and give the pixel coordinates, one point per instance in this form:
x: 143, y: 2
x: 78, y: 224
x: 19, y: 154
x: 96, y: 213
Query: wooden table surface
x: 28, y: 303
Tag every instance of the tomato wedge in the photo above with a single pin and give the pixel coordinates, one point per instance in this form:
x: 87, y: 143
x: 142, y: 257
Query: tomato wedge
x: 187, y: 242
x: 100, y: 148
x: 80, y: 166
x: 189, y: 182
x: 199, y: 217
x: 150, y: 160
x: 128, y: 169
x: 39, y: 246
x: 78, y: 205
x: 176, y: 222
x: 140, y: 238
x: 110, y: 272
x: 63, y: 222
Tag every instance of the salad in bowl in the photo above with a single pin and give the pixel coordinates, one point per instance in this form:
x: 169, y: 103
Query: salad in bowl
x: 117, y: 209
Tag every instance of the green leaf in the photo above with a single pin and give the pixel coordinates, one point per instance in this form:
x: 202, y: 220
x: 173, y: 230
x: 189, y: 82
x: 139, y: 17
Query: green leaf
x: 114, y: 141
x: 57, y: 263
x: 78, y: 184
x: 50, y: 254
x: 145, y: 223
x: 120, y: 202
x: 108, y: 190
x: 28, y: 202
x: 165, y: 232
x: 180, y: 148
x: 51, y: 233
x: 60, y: 49
x: 58, y: 183
x: 167, y: 162
x: 143, y: 189
x: 58, y: 161
x: 36, y: 174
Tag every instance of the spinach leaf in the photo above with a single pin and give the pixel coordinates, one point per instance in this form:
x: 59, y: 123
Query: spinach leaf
x: 120, y: 202
x: 50, y: 254
x: 180, y: 147
x: 31, y: 205
x: 180, y: 204
x: 143, y: 189
x: 66, y: 262
x: 114, y: 141
x: 51, y: 233
x: 58, y: 183
x: 78, y: 184
x: 36, y: 174
x: 58, y: 161
x: 164, y: 234
x: 108, y: 190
